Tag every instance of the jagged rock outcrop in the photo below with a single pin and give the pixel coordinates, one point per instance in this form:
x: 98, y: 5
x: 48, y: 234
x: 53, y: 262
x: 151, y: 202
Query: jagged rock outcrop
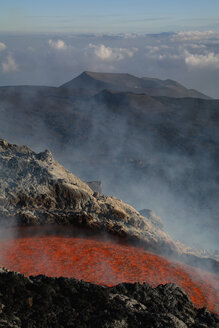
x: 35, y: 189
x: 45, y: 302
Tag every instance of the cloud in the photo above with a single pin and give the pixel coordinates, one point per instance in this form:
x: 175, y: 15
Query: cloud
x: 153, y: 49
x: 58, y: 45
x: 194, y: 35
x: 130, y: 35
x: 153, y: 56
x: 162, y: 52
x: 2, y: 46
x: 195, y: 46
x: 9, y: 65
x: 204, y: 60
x: 112, y: 54
x: 156, y: 49
x: 192, y: 54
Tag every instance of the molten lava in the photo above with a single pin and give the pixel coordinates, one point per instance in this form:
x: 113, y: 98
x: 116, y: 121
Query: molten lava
x: 103, y: 262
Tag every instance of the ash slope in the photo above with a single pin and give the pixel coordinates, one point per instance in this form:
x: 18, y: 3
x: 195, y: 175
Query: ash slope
x: 45, y: 302
x: 35, y: 189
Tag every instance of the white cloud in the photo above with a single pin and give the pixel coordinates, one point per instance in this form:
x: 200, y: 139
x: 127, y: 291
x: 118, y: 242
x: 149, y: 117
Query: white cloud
x: 195, y: 46
x: 153, y: 49
x: 162, y: 52
x: 194, y: 35
x: 204, y: 60
x: 193, y: 54
x: 164, y: 46
x: 111, y: 54
x: 58, y: 45
x: 2, y: 46
x: 156, y: 49
x: 168, y: 57
x: 9, y: 65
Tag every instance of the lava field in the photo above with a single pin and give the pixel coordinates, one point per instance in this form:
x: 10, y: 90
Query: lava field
x: 100, y: 260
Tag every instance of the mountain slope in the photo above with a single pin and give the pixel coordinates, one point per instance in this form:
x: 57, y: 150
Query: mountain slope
x: 160, y: 147
x: 35, y: 189
x: 95, y: 82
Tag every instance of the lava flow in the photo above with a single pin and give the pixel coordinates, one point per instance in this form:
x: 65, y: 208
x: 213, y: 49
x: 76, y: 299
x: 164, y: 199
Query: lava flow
x: 103, y: 262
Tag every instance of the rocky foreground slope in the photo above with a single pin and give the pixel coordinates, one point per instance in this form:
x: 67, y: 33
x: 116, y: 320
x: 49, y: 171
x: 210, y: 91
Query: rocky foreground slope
x: 45, y: 302
x: 35, y: 189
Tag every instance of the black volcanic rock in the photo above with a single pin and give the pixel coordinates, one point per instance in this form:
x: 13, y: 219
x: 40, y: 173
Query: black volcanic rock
x: 45, y: 302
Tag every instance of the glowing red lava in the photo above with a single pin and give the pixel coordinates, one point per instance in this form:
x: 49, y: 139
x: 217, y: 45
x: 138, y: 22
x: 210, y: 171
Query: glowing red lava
x: 104, y: 262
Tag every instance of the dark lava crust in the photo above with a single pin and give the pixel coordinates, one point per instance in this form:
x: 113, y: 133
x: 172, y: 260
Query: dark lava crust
x: 44, y: 302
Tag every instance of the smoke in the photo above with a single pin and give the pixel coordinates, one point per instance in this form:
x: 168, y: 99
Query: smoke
x: 140, y: 157
x: 161, y: 162
x: 7, y: 237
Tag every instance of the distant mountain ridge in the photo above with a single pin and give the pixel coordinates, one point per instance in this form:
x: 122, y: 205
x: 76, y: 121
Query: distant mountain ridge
x: 92, y: 83
x: 95, y: 82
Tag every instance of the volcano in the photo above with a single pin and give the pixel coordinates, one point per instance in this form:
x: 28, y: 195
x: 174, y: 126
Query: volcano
x: 128, y: 131
x: 93, y: 82
x: 54, y: 224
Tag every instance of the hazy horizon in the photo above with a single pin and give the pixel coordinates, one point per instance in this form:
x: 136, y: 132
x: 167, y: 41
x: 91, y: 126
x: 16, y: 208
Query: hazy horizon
x: 51, y: 42
x: 188, y: 57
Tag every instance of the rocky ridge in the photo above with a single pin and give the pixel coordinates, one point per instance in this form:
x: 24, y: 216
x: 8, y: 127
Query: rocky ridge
x: 35, y: 190
x: 95, y: 82
x: 45, y: 302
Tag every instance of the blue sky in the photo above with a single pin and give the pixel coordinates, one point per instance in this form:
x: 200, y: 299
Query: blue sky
x: 139, y: 16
